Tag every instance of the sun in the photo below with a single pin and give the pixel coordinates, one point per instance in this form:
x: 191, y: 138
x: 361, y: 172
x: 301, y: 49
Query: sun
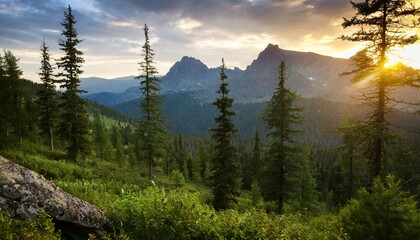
x: 409, y: 55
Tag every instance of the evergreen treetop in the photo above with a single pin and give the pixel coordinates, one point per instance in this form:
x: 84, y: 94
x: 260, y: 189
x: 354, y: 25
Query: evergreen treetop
x: 225, y: 167
x: 71, y: 62
x: 282, y: 118
x: 383, y: 26
x: 74, y: 120
x: 152, y: 128
x: 47, y: 101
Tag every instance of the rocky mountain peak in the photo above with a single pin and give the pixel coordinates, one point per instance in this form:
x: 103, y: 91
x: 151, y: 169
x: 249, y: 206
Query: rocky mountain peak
x: 186, y: 74
x: 189, y: 62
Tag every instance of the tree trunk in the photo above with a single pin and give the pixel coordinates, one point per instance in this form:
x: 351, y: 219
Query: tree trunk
x: 51, y: 137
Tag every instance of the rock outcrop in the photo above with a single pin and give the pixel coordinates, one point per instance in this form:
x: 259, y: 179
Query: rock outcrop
x: 24, y: 193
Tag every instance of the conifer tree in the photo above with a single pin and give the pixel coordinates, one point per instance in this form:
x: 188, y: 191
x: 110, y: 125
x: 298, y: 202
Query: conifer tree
x: 14, y: 100
x: 102, y: 143
x: 383, y: 26
x: 204, y: 157
x: 117, y: 143
x: 74, y: 119
x: 225, y: 167
x: 181, y: 155
x: 4, y: 86
x: 256, y: 163
x: 152, y: 129
x: 353, y: 163
x: 281, y: 117
x: 386, y: 211
x: 47, y: 101
x: 301, y: 190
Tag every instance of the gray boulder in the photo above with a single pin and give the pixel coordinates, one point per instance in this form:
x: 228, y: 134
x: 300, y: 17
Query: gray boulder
x: 25, y: 193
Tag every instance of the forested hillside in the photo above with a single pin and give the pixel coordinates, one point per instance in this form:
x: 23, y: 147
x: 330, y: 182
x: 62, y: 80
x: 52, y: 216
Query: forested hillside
x: 280, y: 150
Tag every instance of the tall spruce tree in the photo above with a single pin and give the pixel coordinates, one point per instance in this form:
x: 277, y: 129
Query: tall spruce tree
x: 15, y: 99
x: 281, y: 117
x: 225, y: 167
x: 74, y: 119
x: 47, y: 101
x: 152, y: 129
x: 383, y: 26
x: 256, y: 163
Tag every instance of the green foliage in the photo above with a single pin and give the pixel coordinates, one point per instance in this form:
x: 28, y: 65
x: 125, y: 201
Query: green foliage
x: 14, y: 97
x: 3, y: 104
x: 301, y: 192
x: 224, y: 166
x: 256, y: 164
x: 47, y: 97
x: 158, y: 214
x: 117, y: 143
x: 325, y: 227
x: 97, y: 192
x: 41, y: 228
x: 386, y: 212
x: 256, y: 194
x: 101, y: 138
x: 74, y: 119
x: 152, y: 131
x: 281, y: 117
x: 177, y: 179
x: 204, y: 158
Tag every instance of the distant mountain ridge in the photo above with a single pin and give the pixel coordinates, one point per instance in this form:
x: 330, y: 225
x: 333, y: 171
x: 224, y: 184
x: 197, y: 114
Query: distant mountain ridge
x: 117, y: 85
x: 190, y: 74
x: 309, y: 74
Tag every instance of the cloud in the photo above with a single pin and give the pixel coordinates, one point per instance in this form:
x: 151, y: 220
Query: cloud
x: 112, y: 30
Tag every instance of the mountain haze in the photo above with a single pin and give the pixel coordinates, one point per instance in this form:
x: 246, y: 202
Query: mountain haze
x: 117, y: 85
x: 310, y: 74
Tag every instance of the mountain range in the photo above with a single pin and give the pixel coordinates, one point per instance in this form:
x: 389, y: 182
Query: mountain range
x: 190, y: 86
x: 309, y: 74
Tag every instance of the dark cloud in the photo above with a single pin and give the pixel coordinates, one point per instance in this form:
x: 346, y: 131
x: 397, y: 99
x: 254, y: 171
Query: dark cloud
x: 204, y: 29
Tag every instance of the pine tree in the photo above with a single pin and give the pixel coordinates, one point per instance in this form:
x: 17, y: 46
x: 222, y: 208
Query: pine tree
x: 383, y: 25
x: 353, y: 163
x: 117, y: 143
x: 74, y: 119
x: 15, y: 99
x: 4, y: 87
x: 181, y: 155
x: 152, y: 128
x: 225, y: 167
x: 301, y: 190
x: 47, y: 101
x: 281, y: 117
x: 256, y: 163
x: 385, y: 212
x: 103, y: 147
x: 204, y: 156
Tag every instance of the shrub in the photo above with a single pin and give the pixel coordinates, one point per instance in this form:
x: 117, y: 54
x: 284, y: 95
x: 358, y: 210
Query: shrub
x: 158, y: 214
x: 177, y: 179
x: 41, y: 228
x: 386, y: 212
x: 299, y: 226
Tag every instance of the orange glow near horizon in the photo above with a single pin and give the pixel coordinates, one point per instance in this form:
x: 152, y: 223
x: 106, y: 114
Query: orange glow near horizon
x: 409, y: 56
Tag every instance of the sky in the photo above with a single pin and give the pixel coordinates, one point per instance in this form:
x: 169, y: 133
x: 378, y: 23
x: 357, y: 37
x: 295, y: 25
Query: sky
x: 209, y: 30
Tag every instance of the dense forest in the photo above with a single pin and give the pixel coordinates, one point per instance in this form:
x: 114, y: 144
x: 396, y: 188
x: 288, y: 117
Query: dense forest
x: 288, y: 168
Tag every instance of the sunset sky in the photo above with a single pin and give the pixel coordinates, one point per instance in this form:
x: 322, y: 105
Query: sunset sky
x: 208, y: 30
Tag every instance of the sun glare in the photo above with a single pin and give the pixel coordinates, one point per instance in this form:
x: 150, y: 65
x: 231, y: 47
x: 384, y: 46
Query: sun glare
x: 408, y: 56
